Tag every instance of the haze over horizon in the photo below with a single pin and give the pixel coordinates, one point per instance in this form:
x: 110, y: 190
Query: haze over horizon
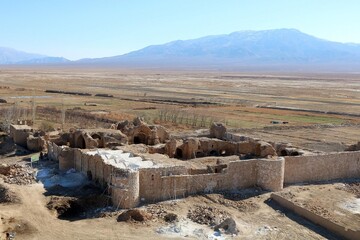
x: 83, y: 29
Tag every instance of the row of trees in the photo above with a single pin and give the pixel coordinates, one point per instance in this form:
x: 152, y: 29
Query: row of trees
x: 190, y: 118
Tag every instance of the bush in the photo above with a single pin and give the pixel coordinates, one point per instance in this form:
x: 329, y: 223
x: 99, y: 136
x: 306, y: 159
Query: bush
x: 47, y: 126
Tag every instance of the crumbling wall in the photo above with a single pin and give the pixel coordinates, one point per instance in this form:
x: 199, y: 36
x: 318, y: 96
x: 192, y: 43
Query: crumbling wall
x: 66, y: 159
x: 217, y: 130
x: 35, y: 144
x: 53, y: 151
x: 201, y: 147
x: 154, y: 186
x: 236, y: 137
x: 161, y: 183
x: 125, y: 188
x: 96, y: 138
x: 138, y: 131
x: 322, y: 167
x: 19, y: 134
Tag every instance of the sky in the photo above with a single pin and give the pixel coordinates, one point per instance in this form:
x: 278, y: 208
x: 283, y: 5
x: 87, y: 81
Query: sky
x: 77, y: 29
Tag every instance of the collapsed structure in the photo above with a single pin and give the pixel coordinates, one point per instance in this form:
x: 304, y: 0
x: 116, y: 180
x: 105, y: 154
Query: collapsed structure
x: 141, y: 163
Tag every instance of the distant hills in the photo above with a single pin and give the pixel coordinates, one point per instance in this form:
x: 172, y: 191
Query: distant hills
x: 277, y: 47
x: 12, y: 56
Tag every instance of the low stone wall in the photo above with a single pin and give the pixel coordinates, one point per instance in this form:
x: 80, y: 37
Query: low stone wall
x: 333, y: 227
x: 322, y: 167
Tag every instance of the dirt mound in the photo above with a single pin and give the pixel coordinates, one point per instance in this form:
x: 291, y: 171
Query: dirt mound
x: 245, y: 205
x: 7, y: 196
x: 136, y: 215
x: 207, y: 215
x: 18, y: 174
x: 13, y: 227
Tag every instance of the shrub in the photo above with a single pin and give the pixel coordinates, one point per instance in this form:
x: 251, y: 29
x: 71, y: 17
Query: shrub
x: 47, y: 126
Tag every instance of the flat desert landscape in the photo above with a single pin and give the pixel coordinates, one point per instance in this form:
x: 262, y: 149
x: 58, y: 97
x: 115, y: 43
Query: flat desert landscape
x: 321, y: 111
x: 317, y: 112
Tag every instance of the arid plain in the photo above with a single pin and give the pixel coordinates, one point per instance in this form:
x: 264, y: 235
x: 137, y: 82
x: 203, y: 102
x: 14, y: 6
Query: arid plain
x: 320, y: 110
x: 313, y: 111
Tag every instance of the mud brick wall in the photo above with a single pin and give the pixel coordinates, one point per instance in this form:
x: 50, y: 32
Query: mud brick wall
x: 269, y: 174
x: 322, y: 167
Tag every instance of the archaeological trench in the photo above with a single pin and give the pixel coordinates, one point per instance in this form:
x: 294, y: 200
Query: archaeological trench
x: 139, y: 163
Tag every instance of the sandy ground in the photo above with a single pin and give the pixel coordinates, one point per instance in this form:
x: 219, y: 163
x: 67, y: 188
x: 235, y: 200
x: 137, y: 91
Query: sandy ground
x: 35, y: 221
x: 256, y: 216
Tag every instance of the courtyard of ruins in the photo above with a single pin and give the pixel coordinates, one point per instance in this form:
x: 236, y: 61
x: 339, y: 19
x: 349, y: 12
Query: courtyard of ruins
x: 231, y: 156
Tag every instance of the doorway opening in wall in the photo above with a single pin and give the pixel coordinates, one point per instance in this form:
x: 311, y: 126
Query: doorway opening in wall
x: 179, y: 153
x: 80, y: 143
x: 140, y: 138
x: 213, y: 153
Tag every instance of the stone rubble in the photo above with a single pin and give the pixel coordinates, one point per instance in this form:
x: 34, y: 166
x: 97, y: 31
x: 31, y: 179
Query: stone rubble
x: 18, y: 174
x: 207, y: 215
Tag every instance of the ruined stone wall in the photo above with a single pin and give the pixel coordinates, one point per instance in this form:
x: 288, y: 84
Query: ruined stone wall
x: 322, y: 167
x: 125, y: 188
x: 236, y: 137
x: 152, y: 187
x: 66, y: 158
x: 20, y: 136
x: 268, y: 174
x: 53, y: 151
x: 162, y: 183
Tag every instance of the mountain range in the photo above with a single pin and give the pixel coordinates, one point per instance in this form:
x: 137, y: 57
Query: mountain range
x: 12, y: 56
x: 268, y: 47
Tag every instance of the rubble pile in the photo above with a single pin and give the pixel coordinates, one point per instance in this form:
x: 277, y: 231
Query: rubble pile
x: 241, y: 205
x: 134, y: 215
x: 160, y: 210
x: 353, y: 188
x: 157, y: 210
x: 207, y: 215
x: 17, y: 174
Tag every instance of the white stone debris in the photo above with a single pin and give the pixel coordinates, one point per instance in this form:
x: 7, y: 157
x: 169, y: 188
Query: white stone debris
x: 120, y: 159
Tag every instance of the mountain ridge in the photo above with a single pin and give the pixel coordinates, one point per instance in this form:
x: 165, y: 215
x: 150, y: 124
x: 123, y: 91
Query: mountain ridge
x: 253, y: 47
x: 241, y: 48
x: 13, y: 56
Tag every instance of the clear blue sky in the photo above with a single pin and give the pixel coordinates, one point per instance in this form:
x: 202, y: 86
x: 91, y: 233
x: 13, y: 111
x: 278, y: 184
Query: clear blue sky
x: 96, y: 28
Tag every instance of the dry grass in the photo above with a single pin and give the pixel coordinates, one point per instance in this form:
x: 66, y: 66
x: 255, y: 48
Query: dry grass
x: 191, y: 99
